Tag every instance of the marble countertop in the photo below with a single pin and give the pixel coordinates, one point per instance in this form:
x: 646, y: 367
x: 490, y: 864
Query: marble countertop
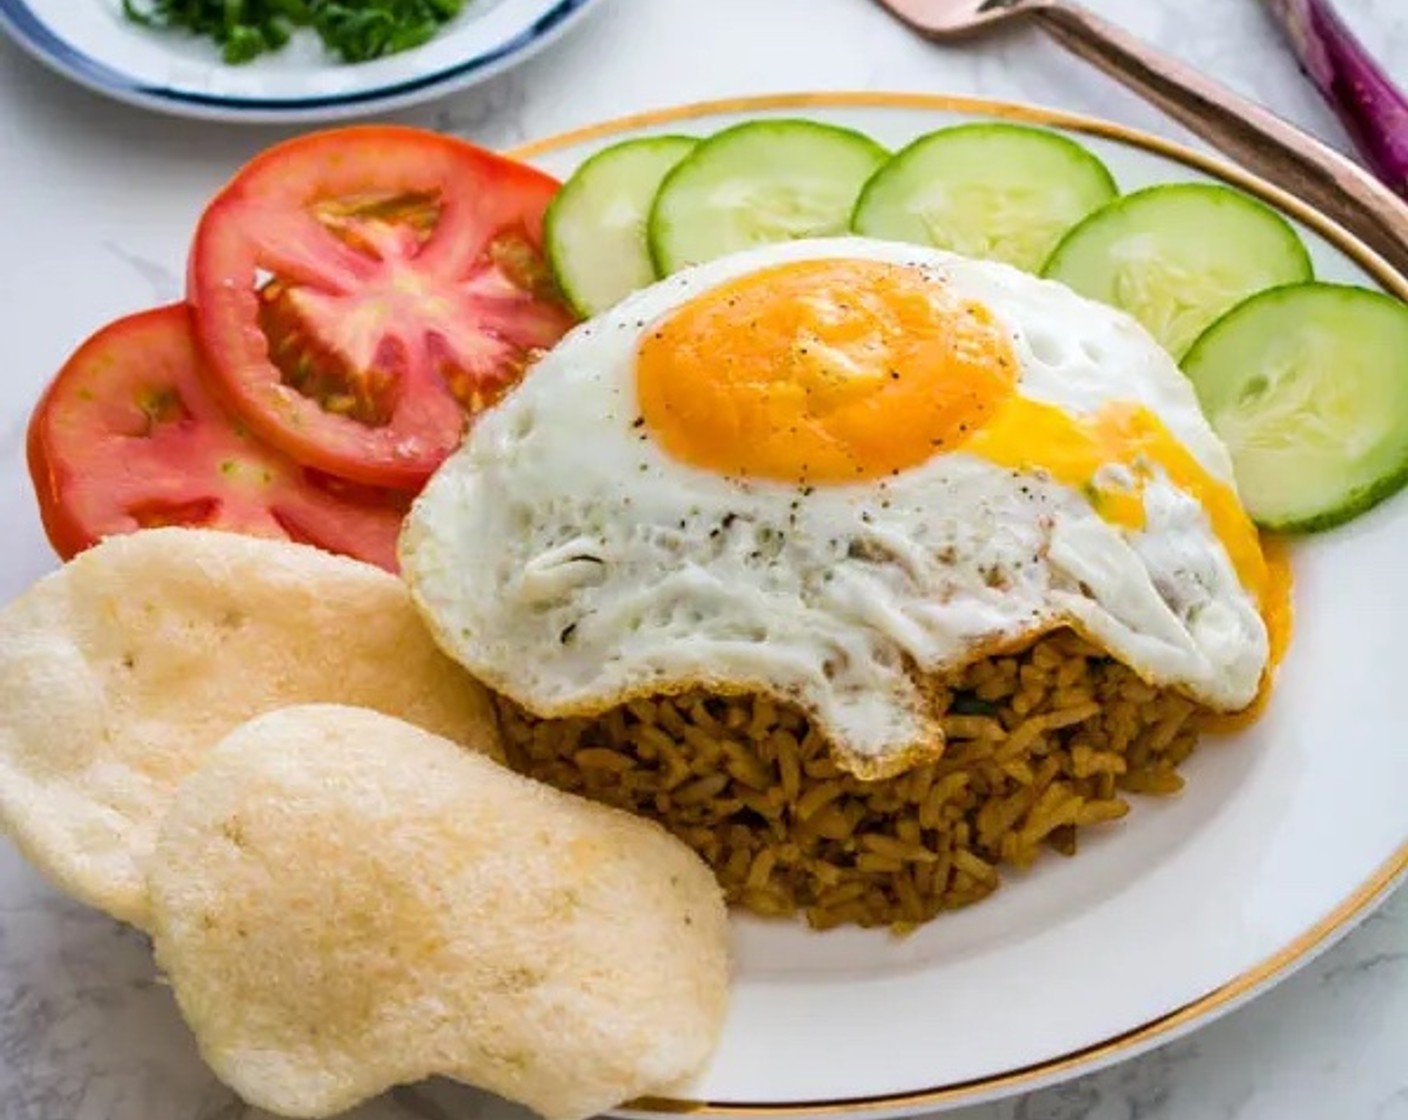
x: 86, y: 1031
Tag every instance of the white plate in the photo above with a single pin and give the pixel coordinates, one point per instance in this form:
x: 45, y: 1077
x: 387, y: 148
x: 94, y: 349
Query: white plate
x: 91, y: 42
x: 1284, y: 837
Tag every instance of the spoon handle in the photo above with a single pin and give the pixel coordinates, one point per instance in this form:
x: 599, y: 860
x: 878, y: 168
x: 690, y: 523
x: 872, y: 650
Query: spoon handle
x: 1239, y: 127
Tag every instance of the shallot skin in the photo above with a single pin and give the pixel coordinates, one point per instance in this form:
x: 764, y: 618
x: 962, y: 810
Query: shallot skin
x: 1371, y: 107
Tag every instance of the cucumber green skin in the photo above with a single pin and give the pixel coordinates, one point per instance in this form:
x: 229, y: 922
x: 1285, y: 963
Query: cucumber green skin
x: 1364, y: 497
x: 1098, y: 184
x: 559, y: 211
x: 711, y: 147
x: 1135, y: 209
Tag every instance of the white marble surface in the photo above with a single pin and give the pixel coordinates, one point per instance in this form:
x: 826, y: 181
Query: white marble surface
x: 86, y: 1032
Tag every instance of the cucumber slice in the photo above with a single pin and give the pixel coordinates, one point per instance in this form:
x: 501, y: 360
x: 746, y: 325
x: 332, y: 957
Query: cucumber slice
x: 595, y: 225
x: 1006, y: 192
x: 1308, y: 387
x: 756, y: 183
x: 1176, y: 257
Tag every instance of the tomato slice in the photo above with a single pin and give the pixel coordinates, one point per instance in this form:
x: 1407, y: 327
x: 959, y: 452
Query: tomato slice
x: 128, y: 437
x: 361, y: 293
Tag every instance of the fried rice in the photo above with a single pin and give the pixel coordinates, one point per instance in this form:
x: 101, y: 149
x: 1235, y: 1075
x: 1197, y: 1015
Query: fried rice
x: 1041, y: 743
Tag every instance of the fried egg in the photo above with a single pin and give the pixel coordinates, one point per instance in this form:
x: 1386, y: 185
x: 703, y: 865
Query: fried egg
x: 828, y: 471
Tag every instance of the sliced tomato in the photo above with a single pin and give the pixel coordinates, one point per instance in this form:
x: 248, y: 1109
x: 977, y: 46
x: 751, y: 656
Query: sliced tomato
x: 128, y: 437
x: 361, y: 293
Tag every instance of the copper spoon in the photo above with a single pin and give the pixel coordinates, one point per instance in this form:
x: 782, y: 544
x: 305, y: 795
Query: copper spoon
x: 1254, y: 137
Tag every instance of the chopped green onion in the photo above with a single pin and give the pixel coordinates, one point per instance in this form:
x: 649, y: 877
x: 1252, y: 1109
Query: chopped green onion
x: 354, y: 30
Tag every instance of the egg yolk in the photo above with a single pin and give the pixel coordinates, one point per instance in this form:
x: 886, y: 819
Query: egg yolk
x: 1278, y: 609
x: 1031, y: 436
x: 822, y: 371
x: 837, y: 371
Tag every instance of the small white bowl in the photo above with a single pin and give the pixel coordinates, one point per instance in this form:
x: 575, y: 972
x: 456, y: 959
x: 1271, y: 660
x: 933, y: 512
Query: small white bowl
x: 92, y: 43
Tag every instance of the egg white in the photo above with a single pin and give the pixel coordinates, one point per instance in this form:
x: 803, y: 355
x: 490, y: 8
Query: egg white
x: 569, y: 562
